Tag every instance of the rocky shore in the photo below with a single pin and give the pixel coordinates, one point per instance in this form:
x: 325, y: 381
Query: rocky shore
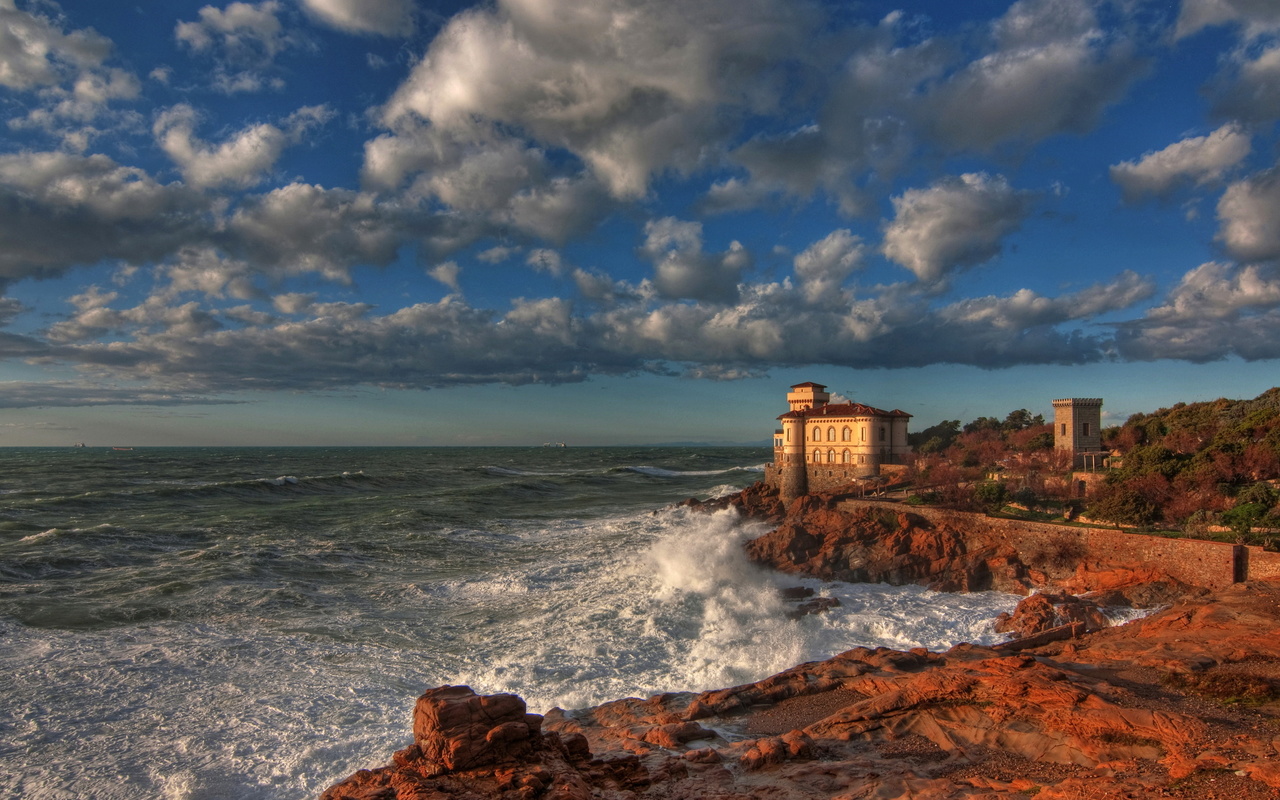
x: 1184, y: 703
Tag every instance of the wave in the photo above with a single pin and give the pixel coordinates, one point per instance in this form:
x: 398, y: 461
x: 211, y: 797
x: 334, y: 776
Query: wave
x: 524, y: 473
x: 661, y: 472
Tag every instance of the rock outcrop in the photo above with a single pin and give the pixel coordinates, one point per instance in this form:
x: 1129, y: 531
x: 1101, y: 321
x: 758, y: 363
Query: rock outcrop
x: 1184, y: 703
x: 1149, y: 709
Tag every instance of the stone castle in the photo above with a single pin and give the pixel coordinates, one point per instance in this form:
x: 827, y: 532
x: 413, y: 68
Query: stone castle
x: 822, y: 446
x: 1077, y: 428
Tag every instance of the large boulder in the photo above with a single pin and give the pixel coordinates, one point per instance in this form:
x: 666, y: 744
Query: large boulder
x: 457, y: 729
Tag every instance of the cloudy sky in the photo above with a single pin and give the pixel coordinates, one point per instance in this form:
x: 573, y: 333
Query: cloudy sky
x: 623, y: 221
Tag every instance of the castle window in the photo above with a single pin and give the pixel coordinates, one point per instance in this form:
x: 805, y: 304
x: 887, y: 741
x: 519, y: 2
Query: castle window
x: 831, y: 456
x: 817, y: 434
x: 882, y: 433
x: 817, y: 458
x: 831, y: 434
x: 1064, y: 429
x: 846, y: 434
x: 864, y: 433
x: 1084, y: 429
x: 862, y: 459
x: 844, y: 457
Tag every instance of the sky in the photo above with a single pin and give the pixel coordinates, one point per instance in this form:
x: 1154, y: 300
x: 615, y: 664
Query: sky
x: 388, y: 222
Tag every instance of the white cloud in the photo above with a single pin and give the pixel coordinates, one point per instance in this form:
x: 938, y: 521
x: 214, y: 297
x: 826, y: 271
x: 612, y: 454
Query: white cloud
x: 1255, y: 16
x: 293, y: 303
x: 1217, y: 290
x: 190, y: 350
x: 241, y: 161
x: 1248, y: 89
x: 1249, y: 213
x: 957, y: 222
x: 825, y: 264
x: 1201, y: 160
x: 447, y: 273
x: 629, y: 89
x: 683, y: 270
x: 1216, y: 311
x: 245, y: 31
x: 1054, y: 71
x: 63, y: 210
x: 383, y: 17
x: 301, y: 228
x: 72, y: 87
x: 547, y: 260
x: 35, y: 52
x: 497, y: 254
x: 1027, y: 309
x: 243, y: 40
x: 207, y: 271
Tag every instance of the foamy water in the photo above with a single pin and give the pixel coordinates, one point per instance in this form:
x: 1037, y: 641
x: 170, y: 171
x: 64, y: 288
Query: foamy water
x: 268, y: 652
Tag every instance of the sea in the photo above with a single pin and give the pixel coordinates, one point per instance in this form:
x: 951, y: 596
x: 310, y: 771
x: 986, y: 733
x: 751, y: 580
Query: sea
x: 223, y: 623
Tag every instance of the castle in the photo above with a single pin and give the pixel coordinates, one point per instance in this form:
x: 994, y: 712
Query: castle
x: 1077, y: 429
x: 822, y: 446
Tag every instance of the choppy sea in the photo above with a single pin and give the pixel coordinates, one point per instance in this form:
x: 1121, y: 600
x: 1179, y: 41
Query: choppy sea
x: 222, y: 623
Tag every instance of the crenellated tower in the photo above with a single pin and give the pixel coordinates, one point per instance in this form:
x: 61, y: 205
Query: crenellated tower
x: 1077, y: 428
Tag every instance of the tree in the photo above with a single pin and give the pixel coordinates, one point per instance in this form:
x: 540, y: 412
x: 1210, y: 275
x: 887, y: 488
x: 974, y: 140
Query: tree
x: 982, y: 424
x: 1125, y: 506
x: 937, y: 438
x: 991, y: 495
x: 1021, y: 420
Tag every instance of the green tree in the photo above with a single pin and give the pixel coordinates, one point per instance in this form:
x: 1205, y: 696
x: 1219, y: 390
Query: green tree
x: 991, y: 495
x: 1021, y: 420
x: 935, y: 438
x: 1125, y: 505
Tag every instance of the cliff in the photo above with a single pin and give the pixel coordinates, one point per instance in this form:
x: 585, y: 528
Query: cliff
x: 1182, y: 704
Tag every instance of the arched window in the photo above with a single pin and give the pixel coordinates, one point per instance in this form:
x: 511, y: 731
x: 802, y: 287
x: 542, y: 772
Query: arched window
x: 844, y: 457
x: 831, y: 433
x: 817, y: 458
x: 831, y: 456
x: 846, y: 434
x: 817, y: 434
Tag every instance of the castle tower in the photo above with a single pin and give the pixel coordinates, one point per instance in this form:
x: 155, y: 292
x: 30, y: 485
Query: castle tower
x: 807, y: 395
x: 1077, y: 427
x: 794, y: 473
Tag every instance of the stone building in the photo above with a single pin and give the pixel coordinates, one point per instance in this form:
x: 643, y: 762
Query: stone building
x: 1077, y: 428
x: 823, y: 446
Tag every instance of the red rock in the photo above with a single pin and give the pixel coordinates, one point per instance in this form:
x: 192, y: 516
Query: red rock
x: 1094, y: 716
x: 457, y: 729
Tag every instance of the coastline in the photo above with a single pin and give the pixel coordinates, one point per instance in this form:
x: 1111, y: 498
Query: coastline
x: 1182, y: 703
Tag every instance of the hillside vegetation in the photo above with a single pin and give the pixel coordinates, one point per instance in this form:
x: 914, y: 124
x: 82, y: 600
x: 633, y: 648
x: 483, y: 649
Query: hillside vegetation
x: 1194, y: 467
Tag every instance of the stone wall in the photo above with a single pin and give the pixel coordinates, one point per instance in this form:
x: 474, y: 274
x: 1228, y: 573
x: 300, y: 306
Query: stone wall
x: 831, y: 477
x: 1261, y: 565
x: 1211, y: 564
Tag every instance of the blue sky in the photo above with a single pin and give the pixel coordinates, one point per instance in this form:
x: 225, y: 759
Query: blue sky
x: 626, y: 221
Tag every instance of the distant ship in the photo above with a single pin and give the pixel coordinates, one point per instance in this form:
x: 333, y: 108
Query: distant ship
x: 554, y: 444
x: 79, y: 444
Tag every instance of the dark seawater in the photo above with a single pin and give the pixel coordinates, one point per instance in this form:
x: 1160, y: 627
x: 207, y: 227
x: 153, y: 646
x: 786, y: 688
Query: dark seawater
x: 256, y: 622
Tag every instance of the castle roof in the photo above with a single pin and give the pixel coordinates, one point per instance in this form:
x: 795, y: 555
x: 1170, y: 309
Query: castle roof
x: 808, y: 384
x: 843, y: 410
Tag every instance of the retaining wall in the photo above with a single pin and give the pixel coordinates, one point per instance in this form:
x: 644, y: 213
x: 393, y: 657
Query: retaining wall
x: 1200, y: 563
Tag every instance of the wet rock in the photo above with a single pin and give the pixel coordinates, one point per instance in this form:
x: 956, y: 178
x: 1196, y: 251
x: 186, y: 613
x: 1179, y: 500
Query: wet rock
x: 457, y: 729
x: 813, y: 606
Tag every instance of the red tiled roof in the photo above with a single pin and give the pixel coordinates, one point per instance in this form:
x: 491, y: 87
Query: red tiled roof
x: 843, y: 410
